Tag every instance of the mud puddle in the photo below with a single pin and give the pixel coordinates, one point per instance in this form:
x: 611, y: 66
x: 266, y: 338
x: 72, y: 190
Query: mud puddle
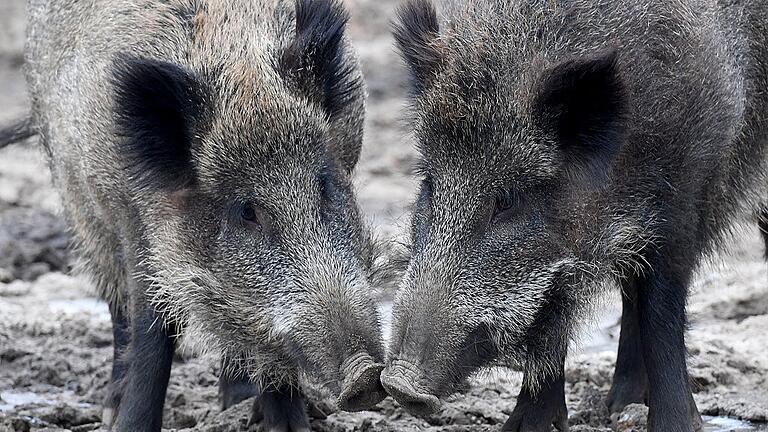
x: 725, y: 424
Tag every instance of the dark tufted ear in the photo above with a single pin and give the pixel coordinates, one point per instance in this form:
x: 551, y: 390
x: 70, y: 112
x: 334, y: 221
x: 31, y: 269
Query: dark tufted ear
x: 316, y: 59
x: 582, y: 102
x: 416, y: 31
x: 156, y: 105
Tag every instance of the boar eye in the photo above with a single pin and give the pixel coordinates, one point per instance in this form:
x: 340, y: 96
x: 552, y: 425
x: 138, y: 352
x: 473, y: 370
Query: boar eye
x: 253, y: 215
x: 248, y: 213
x: 507, y: 203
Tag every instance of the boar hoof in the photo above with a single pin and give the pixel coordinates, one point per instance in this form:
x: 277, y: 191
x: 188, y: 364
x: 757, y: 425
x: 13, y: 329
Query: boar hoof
x: 625, y: 393
x: 529, y: 418
x: 400, y: 381
x: 362, y: 387
x: 280, y: 410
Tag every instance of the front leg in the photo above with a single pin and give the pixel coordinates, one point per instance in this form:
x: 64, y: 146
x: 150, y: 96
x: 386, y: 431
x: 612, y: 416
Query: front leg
x: 149, y: 367
x: 630, y: 380
x: 121, y: 341
x: 538, y: 411
x: 762, y: 223
x: 280, y: 409
x: 662, y: 296
x: 234, y: 384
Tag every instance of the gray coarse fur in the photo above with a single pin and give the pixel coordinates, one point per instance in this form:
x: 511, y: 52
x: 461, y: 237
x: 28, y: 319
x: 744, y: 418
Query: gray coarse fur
x: 304, y: 296
x: 690, y: 162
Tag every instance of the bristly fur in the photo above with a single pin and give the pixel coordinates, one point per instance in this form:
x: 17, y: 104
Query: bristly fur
x: 157, y: 112
x: 315, y: 57
x: 416, y: 32
x: 163, y: 121
x: 635, y: 134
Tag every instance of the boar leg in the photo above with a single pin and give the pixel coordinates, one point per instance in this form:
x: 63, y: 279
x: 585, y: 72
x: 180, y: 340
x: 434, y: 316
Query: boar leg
x: 234, y: 385
x: 661, y: 298
x: 538, y: 411
x: 630, y: 380
x: 121, y: 339
x: 280, y: 409
x: 762, y: 222
x: 149, y: 367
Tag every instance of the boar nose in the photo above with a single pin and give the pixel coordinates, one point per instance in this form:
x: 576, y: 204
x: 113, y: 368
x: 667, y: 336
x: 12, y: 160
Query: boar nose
x: 362, y: 387
x: 404, y: 381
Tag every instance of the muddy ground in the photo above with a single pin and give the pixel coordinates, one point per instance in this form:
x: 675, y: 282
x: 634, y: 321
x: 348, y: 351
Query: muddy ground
x: 55, y: 337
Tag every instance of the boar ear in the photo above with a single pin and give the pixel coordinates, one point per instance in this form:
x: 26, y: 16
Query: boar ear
x: 318, y: 62
x: 582, y: 102
x: 156, y: 104
x: 316, y: 57
x: 416, y: 31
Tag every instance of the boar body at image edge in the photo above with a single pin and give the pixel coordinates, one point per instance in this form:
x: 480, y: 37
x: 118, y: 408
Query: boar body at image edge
x: 566, y: 145
x: 203, y: 152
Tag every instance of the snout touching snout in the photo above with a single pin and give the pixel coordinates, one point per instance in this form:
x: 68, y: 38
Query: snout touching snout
x: 361, y: 388
x: 405, y: 382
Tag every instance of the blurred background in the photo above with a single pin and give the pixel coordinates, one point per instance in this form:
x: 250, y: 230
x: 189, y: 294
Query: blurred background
x: 55, y: 337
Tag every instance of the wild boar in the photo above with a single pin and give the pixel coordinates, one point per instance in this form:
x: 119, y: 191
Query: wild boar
x: 203, y: 151
x: 565, y: 147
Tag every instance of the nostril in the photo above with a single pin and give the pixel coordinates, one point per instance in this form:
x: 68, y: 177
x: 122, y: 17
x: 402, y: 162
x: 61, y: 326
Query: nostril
x: 419, y: 404
x: 399, y: 383
x: 362, y: 388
